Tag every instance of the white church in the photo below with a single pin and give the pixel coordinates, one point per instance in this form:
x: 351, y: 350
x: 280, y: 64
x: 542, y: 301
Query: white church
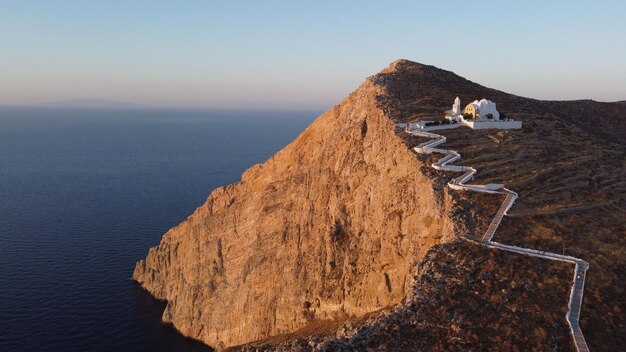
x: 480, y: 114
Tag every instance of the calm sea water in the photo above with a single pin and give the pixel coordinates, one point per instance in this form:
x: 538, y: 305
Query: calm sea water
x: 84, y: 193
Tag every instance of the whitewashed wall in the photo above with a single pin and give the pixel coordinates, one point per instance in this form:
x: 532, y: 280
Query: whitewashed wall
x: 477, y: 125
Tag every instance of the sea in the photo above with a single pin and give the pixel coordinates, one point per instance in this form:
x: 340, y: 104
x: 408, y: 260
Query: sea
x: 85, y: 192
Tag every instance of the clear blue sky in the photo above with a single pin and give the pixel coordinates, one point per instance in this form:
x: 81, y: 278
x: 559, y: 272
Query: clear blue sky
x: 297, y: 54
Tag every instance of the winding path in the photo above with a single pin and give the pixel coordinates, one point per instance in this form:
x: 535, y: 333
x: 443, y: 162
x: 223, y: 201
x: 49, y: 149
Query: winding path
x: 459, y: 183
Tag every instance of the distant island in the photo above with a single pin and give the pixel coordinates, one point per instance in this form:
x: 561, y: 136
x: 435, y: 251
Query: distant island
x: 90, y: 103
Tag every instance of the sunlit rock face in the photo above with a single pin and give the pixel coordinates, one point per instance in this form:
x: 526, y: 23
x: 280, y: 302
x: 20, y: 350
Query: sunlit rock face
x: 330, y: 227
x: 333, y: 227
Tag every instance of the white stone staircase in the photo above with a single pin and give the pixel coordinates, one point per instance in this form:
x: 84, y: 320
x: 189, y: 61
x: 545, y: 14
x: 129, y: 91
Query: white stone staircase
x: 459, y: 183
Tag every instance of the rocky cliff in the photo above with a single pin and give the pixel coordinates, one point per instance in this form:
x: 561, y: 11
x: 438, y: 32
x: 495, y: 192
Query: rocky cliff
x: 330, y: 227
x: 346, y: 240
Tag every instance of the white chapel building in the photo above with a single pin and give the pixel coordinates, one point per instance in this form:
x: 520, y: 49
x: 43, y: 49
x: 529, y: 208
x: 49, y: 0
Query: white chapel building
x: 479, y: 114
x: 483, y: 110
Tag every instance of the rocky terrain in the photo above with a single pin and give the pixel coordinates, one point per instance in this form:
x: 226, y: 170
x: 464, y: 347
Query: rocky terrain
x: 331, y: 227
x: 463, y: 299
x: 347, y: 240
x: 567, y: 165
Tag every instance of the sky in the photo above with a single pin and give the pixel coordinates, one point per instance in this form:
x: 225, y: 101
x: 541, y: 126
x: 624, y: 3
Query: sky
x: 301, y: 54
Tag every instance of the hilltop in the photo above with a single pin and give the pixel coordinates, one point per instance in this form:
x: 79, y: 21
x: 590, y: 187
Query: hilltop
x: 346, y: 239
x: 415, y: 90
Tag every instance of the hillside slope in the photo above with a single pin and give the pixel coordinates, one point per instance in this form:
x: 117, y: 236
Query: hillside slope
x: 568, y: 166
x: 330, y: 227
x: 326, y: 243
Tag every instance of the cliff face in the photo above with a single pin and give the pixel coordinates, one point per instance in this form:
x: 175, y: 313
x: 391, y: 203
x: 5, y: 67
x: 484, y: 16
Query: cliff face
x: 333, y: 227
x: 330, y: 227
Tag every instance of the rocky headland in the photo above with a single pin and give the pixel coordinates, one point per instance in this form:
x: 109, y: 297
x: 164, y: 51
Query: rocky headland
x: 347, y: 240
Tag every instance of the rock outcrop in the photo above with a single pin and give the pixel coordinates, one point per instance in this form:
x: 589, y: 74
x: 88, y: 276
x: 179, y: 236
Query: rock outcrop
x: 325, y: 244
x: 331, y: 227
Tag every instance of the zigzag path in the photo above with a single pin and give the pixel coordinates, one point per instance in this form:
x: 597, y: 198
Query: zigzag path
x: 459, y: 183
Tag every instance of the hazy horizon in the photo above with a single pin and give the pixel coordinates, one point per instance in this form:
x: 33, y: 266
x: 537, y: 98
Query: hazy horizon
x: 273, y: 55
x: 122, y: 105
